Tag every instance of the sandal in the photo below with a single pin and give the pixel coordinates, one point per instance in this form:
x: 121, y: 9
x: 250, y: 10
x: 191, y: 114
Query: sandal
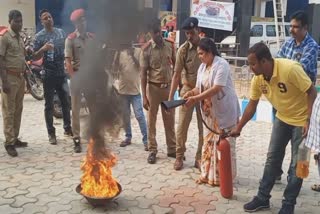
x: 316, y: 187
x: 201, y: 181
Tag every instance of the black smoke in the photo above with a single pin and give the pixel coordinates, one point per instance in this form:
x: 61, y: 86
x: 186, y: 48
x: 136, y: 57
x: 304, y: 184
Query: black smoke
x: 114, y: 23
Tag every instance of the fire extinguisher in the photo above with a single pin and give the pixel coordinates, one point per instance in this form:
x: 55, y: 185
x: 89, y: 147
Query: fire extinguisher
x: 225, y: 168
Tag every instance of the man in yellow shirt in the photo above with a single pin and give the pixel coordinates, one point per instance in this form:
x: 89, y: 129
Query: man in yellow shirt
x: 285, y: 84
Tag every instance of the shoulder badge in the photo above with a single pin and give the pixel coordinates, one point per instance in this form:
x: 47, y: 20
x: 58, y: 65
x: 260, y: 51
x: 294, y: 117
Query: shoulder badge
x: 72, y: 35
x: 3, y: 30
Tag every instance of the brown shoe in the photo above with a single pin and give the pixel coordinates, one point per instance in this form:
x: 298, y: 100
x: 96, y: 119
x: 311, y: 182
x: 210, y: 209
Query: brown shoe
x: 178, y: 165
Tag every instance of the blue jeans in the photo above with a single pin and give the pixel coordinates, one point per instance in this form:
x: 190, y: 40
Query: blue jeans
x: 282, y: 133
x: 136, y: 102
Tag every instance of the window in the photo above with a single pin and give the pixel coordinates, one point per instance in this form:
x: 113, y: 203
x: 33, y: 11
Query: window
x: 271, y: 30
x: 287, y: 30
x: 256, y: 31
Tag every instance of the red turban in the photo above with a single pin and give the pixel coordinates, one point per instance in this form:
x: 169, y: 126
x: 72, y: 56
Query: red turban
x: 76, y: 15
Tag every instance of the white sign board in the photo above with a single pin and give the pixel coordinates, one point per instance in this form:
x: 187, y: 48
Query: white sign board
x: 213, y: 14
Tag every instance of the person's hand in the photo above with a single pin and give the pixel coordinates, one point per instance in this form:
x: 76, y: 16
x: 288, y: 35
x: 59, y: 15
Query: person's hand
x: 191, y: 101
x: 29, y: 50
x: 188, y: 94
x: 5, y: 87
x: 146, y: 104
x: 235, y: 132
x: 48, y: 46
x: 305, y: 129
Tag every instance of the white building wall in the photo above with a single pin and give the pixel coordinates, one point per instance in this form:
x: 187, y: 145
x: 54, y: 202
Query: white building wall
x: 27, y: 8
x: 314, y: 1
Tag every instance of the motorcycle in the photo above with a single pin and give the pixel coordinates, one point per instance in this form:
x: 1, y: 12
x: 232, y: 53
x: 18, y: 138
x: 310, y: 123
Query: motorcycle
x: 34, y: 72
x: 33, y: 77
x: 57, y: 107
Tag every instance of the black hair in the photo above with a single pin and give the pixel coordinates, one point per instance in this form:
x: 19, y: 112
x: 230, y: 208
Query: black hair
x: 208, y: 45
x: 42, y: 12
x: 261, y: 51
x: 13, y: 14
x: 155, y: 25
x: 300, y: 16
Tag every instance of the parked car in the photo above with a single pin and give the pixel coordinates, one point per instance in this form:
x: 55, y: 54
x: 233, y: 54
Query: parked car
x: 260, y: 32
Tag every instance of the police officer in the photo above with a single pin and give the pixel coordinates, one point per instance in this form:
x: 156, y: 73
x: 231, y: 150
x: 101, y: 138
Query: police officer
x: 157, y: 59
x: 49, y: 43
x: 74, y: 48
x: 186, y: 68
x: 12, y: 67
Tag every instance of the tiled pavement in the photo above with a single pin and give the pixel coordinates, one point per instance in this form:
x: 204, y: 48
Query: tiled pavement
x: 43, y: 178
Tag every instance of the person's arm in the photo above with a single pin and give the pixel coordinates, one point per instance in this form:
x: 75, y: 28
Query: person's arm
x: 173, y: 56
x: 144, y: 87
x: 219, y: 80
x: 174, y: 84
x: 144, y: 72
x: 312, y: 95
x: 3, y: 75
x: 40, y: 49
x: 308, y: 58
x: 246, y: 117
x: 255, y: 94
x: 179, y: 64
x: 68, y: 53
x: 3, y: 72
x: 281, y: 52
x: 69, y: 66
x: 209, y: 93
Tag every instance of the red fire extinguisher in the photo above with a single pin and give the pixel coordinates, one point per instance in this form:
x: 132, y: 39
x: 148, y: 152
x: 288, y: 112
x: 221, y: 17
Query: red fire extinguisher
x: 225, y: 168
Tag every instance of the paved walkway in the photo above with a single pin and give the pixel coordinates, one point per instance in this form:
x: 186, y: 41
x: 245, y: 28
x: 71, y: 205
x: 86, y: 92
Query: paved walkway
x: 43, y: 178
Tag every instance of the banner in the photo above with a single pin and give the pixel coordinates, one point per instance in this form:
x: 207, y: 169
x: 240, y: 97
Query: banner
x: 213, y: 14
x: 168, y: 18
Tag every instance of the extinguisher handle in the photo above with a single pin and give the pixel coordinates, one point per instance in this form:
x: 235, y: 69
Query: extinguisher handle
x: 225, y: 134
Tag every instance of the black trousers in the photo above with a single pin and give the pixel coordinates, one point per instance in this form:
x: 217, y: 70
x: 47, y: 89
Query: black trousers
x: 59, y: 85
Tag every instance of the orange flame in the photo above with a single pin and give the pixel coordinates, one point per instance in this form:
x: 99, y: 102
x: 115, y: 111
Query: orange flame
x: 97, y: 180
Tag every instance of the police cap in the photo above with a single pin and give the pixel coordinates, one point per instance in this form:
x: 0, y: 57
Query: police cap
x: 190, y: 23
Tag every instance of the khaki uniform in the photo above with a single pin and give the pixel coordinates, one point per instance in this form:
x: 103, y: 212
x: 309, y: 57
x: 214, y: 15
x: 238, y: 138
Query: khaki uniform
x: 13, y: 50
x: 129, y: 73
x: 188, y: 62
x: 158, y: 60
x: 74, y: 49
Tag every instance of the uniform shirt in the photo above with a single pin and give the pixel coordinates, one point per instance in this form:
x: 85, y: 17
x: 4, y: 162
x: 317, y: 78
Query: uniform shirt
x: 58, y: 36
x: 74, y: 48
x: 158, y: 60
x: 306, y: 53
x: 188, y: 61
x: 13, y: 51
x: 286, y: 91
x: 225, y: 105
x: 129, y: 73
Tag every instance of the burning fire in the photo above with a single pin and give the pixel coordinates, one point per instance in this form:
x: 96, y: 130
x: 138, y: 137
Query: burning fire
x: 97, y: 180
